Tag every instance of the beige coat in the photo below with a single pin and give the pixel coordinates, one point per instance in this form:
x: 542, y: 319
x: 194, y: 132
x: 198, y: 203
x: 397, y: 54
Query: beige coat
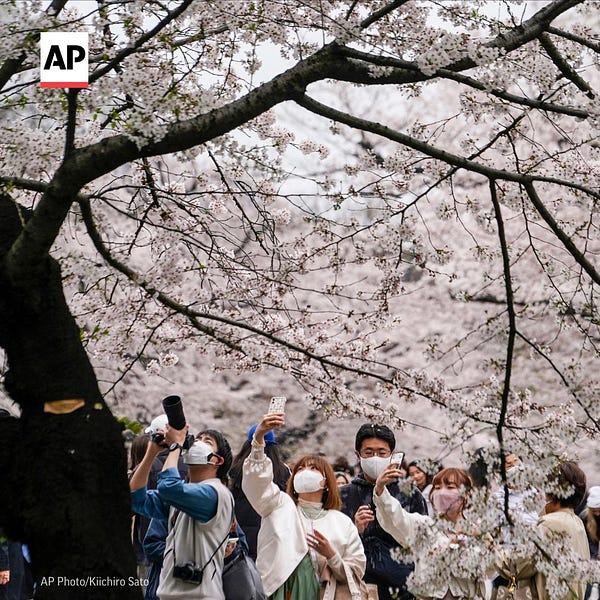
x: 567, y: 524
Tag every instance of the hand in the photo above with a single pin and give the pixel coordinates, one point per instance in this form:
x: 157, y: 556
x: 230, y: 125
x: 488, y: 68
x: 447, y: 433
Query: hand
x: 4, y: 577
x: 363, y: 516
x: 272, y: 421
x: 175, y: 435
x: 389, y: 474
x: 318, y: 542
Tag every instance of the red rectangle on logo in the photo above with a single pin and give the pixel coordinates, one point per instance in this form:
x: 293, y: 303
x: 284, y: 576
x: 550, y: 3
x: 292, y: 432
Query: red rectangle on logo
x: 64, y: 84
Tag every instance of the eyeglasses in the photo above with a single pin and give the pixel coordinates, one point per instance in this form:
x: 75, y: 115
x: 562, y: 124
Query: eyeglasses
x: 380, y: 453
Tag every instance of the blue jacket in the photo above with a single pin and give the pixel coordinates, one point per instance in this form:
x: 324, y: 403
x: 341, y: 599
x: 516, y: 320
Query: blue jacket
x: 198, y: 500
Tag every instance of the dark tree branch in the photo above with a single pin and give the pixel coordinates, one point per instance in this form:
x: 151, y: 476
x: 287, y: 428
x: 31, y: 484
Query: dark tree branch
x: 567, y: 242
x: 71, y: 122
x: 403, y: 67
x: 510, y: 342
x: 432, y: 151
x: 11, y: 66
x: 382, y: 12
x: 118, y: 59
x: 564, y: 67
x: 567, y: 35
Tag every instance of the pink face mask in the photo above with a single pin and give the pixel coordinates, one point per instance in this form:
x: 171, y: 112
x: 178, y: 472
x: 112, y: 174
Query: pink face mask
x: 445, y: 499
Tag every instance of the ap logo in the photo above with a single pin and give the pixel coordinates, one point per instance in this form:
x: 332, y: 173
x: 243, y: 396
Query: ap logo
x: 63, y: 60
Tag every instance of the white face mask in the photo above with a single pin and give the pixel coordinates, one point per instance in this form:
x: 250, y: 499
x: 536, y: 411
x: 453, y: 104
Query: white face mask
x: 373, y: 467
x: 307, y: 481
x: 199, y: 454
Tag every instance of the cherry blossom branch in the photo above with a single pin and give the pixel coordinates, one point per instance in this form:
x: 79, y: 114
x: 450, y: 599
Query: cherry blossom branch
x: 193, y: 316
x: 525, y: 180
x: 559, y: 233
x: 118, y: 59
x: 564, y: 67
x: 11, y: 66
x: 567, y: 35
x: 562, y: 377
x: 360, y: 71
x: 443, y: 155
x: 90, y: 162
x: 404, y: 67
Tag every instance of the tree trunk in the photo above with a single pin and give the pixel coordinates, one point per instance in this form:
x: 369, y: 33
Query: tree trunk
x: 64, y: 475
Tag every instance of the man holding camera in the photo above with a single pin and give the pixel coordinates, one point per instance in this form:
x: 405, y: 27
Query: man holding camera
x: 199, y: 513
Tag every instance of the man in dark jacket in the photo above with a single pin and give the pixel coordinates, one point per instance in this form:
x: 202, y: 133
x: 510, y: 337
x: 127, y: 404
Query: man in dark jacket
x: 374, y: 445
x: 11, y: 569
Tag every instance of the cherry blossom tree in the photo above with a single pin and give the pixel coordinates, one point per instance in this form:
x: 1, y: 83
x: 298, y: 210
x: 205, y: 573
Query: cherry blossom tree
x: 392, y: 203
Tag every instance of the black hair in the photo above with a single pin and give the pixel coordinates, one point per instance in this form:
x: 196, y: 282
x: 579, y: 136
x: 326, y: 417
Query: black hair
x: 138, y: 449
x: 369, y: 430
x: 223, y: 450
x: 426, y: 467
x: 281, y: 471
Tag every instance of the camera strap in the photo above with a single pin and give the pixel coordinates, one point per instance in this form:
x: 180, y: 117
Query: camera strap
x: 174, y: 521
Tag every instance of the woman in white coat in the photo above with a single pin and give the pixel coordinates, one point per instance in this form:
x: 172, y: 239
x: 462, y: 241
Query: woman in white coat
x: 307, y: 548
x: 438, y: 543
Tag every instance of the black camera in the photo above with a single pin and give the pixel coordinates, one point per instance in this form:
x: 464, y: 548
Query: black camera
x: 190, y: 573
x: 174, y: 411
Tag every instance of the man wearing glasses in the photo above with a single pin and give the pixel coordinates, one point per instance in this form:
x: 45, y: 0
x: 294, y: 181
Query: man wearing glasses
x: 374, y: 445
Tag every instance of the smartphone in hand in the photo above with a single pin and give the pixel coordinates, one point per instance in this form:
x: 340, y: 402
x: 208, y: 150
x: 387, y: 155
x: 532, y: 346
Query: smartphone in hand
x: 277, y: 405
x: 397, y: 458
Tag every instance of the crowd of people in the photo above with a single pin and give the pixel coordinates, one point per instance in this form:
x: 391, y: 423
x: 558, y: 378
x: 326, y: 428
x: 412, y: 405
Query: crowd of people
x: 315, y: 530
x: 214, y: 526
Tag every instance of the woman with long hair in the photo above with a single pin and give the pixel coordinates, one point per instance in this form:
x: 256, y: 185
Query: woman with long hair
x: 307, y: 548
x: 449, y: 496
x: 423, y: 476
x: 248, y: 519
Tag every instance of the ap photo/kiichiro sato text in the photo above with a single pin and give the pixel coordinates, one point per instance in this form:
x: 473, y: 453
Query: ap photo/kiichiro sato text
x: 91, y: 581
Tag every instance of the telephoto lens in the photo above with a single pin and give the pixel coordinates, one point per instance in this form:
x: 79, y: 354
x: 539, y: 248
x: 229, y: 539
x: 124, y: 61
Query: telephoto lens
x: 174, y: 411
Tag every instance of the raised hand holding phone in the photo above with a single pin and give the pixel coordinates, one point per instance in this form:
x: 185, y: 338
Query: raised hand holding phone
x: 274, y: 418
x: 277, y: 405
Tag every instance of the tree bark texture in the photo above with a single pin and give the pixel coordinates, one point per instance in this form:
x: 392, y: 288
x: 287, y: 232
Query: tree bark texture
x: 63, y: 464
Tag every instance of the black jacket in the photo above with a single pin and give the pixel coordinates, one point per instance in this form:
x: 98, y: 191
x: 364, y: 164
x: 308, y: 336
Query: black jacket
x: 381, y: 569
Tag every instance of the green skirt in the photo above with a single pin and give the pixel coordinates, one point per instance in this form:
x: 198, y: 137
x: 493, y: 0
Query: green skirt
x: 302, y: 584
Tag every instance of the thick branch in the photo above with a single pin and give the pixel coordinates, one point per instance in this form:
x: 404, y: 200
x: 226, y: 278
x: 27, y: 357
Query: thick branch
x: 560, y: 234
x: 86, y: 164
x: 360, y: 71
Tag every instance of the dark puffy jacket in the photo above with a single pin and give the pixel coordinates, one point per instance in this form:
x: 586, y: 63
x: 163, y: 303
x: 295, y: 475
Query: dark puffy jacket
x: 381, y: 569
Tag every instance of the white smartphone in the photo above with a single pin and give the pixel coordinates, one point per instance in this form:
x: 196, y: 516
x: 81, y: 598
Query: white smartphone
x: 397, y: 458
x: 277, y: 405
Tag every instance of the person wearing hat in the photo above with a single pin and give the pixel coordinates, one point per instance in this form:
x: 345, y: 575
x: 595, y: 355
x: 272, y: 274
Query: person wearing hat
x: 199, y: 513
x: 159, y: 426
x: 248, y: 519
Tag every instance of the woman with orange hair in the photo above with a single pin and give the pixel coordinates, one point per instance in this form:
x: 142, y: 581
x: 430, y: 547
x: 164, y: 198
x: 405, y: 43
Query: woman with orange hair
x: 307, y: 548
x: 437, y: 542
